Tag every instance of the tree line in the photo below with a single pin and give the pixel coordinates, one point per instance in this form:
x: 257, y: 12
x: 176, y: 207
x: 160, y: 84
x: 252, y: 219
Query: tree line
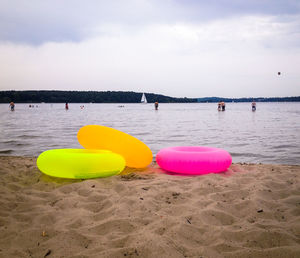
x: 53, y: 96
x: 259, y: 99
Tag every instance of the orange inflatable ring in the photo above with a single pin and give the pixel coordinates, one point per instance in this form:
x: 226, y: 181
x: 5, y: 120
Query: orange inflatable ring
x: 136, y: 153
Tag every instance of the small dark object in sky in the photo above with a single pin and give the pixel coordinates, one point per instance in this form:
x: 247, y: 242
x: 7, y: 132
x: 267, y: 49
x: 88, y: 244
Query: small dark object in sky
x: 279, y: 73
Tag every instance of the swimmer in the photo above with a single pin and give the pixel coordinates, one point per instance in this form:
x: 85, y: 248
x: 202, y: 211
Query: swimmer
x: 12, y: 106
x: 219, y: 106
x: 156, y: 105
x: 223, y: 106
x: 253, y: 104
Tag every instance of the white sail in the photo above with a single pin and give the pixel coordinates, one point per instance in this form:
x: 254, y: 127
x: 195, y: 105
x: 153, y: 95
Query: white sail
x: 143, y: 100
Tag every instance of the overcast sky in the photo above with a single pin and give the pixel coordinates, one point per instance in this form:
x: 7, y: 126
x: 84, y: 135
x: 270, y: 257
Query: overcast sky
x: 180, y: 48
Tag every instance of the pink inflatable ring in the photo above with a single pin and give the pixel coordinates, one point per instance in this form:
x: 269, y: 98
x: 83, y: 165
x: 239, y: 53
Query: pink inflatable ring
x: 193, y: 160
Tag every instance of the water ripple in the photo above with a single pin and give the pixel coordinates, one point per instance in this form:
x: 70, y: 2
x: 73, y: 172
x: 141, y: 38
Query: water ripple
x: 6, y: 151
x: 271, y: 134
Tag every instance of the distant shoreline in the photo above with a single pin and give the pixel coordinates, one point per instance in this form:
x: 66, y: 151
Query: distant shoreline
x: 54, y: 96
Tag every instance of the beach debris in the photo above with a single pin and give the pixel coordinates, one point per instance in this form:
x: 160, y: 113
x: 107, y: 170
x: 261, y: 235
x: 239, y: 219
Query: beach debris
x: 251, y: 220
x: 141, y: 198
x: 44, y: 233
x: 29, y: 252
x: 134, y: 176
x: 93, y: 186
x: 146, y: 188
x: 130, y: 253
x: 175, y: 195
x: 259, y: 211
x: 54, y: 202
x: 48, y: 253
x: 168, y: 200
x: 189, y: 220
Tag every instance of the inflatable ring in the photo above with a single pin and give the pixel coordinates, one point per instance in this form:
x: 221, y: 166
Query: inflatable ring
x: 193, y: 160
x: 80, y: 163
x: 136, y: 153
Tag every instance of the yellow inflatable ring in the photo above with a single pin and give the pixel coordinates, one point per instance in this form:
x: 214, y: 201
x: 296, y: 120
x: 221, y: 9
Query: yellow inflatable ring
x: 136, y: 153
x: 80, y: 163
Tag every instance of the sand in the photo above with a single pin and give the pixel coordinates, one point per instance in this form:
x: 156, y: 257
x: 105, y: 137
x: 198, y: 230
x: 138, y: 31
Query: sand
x: 250, y: 211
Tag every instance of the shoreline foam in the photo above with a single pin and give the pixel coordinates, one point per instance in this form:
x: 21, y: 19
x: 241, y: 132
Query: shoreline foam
x: 250, y: 211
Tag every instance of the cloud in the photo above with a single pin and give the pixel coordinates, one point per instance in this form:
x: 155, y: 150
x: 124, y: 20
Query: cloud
x: 190, y: 48
x: 37, y: 22
x: 226, y: 8
x: 233, y: 57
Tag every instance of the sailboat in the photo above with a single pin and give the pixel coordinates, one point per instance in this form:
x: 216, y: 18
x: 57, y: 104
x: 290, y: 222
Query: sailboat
x: 144, y: 100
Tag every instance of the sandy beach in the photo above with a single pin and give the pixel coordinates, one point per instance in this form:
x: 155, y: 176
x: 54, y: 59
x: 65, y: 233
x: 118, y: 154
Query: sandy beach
x: 252, y: 210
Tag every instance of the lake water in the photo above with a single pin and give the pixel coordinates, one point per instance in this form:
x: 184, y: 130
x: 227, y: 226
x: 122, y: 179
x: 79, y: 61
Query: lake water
x: 269, y: 135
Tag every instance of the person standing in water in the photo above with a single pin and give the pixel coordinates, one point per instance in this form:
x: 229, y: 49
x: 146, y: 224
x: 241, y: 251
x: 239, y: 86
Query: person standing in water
x: 223, y: 105
x: 253, y: 105
x: 219, y: 106
x: 156, y: 105
x: 67, y: 106
x: 12, y: 106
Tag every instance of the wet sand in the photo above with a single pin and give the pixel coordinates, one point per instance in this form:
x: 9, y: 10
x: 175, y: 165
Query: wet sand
x: 250, y: 211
